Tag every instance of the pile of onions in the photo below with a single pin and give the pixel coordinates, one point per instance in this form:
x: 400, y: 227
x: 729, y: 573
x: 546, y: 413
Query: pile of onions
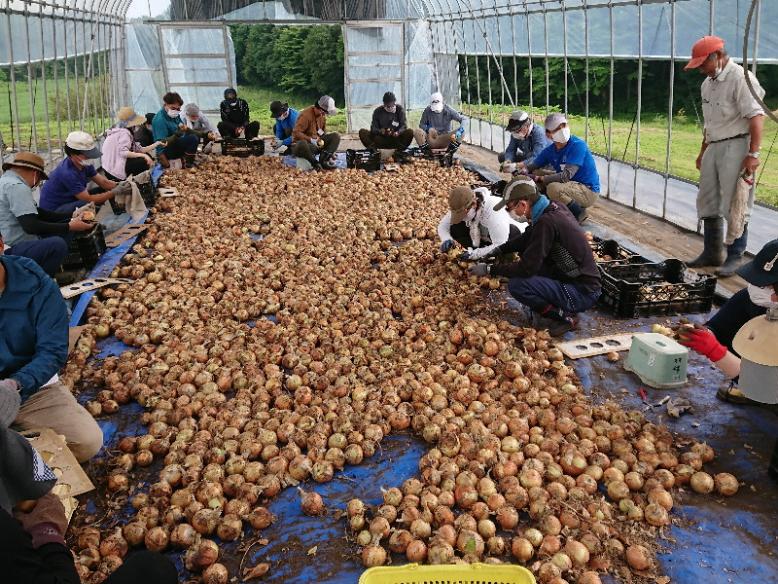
x: 267, y: 363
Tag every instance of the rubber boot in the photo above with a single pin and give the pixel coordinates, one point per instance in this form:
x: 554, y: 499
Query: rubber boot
x: 713, y: 250
x: 735, y: 253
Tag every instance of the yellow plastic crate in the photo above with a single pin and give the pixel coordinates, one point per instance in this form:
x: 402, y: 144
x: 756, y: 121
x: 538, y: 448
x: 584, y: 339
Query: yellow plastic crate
x: 448, y: 574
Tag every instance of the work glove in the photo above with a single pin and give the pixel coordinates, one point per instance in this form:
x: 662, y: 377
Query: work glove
x: 473, y: 254
x: 704, y: 342
x: 314, y: 141
x: 509, y: 167
x: 479, y: 270
x: 446, y: 245
x: 459, y: 133
x: 46, y: 523
x: 10, y: 400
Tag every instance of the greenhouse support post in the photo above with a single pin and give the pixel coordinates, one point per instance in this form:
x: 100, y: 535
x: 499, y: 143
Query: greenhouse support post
x: 670, y: 108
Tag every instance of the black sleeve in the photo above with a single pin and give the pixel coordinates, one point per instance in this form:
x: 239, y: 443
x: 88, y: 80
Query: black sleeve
x: 536, y: 250
x: 50, y: 564
x: 516, y: 244
x: 53, y: 216
x: 224, y: 110
x: 33, y: 225
x: 403, y: 119
x: 244, y: 109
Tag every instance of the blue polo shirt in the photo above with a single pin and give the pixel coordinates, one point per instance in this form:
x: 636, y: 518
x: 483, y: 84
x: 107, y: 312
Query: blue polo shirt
x: 64, y: 183
x: 575, y: 152
x: 283, y: 128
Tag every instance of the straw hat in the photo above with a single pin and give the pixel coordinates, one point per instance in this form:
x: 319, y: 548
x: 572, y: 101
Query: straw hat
x: 27, y: 160
x: 129, y: 117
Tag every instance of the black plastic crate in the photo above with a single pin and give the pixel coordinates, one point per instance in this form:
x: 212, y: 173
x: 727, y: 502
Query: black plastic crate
x: 242, y: 147
x: 631, y: 290
x: 368, y: 160
x: 85, y: 249
x: 617, y: 253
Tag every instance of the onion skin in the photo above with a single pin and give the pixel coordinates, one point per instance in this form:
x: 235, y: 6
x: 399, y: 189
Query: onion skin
x: 638, y: 558
x: 702, y: 482
x: 726, y: 484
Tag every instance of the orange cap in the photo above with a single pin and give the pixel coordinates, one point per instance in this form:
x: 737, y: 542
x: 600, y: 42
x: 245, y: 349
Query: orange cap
x: 702, y: 48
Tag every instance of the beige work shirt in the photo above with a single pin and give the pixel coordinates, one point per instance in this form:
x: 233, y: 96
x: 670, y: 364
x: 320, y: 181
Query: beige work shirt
x: 727, y: 104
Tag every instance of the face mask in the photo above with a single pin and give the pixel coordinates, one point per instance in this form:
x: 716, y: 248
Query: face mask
x: 518, y: 218
x: 761, y: 296
x: 518, y: 135
x: 284, y: 115
x: 436, y: 106
x: 562, y: 135
x: 390, y: 108
x: 173, y: 113
x: 470, y: 215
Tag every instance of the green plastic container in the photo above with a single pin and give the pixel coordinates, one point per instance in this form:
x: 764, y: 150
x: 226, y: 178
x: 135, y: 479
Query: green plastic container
x: 659, y: 361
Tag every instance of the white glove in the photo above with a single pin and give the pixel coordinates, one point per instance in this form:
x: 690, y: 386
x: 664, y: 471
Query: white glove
x: 509, y: 167
x: 478, y: 253
x: 315, y: 141
x: 479, y: 270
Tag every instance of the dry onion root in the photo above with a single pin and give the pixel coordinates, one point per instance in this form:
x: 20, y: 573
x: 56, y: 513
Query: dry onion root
x: 375, y: 332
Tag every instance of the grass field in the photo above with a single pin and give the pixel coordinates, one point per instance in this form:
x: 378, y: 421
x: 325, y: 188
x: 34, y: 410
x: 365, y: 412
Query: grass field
x: 685, y: 143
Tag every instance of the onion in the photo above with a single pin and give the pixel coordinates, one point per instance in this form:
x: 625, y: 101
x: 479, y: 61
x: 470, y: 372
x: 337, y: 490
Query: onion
x: 201, y: 555
x: 156, y: 539
x: 577, y: 552
x: 726, y: 484
x: 416, y: 551
x: 311, y: 502
x: 229, y: 528
x: 420, y: 529
x: 205, y: 521
x: 379, y: 528
x: 355, y: 507
x: 661, y: 497
x: 440, y: 553
x: 182, y: 536
x: 702, y: 482
x: 216, y: 574
x: 261, y: 518
x: 470, y: 542
x: 589, y: 577
x: 134, y: 533
x: 373, y: 555
x: 522, y: 549
x: 399, y: 540
x: 638, y: 558
x: 656, y: 515
x: 114, y: 545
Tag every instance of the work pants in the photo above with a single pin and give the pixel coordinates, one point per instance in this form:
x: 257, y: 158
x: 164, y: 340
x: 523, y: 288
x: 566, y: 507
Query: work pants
x: 721, y: 167
x: 304, y: 148
x: 48, y: 252
x: 460, y: 233
x: 436, y: 141
x: 54, y: 406
x: 382, y: 141
x: 570, y: 191
x: 183, y: 145
x: 538, y: 292
x: 229, y: 130
x: 132, y: 167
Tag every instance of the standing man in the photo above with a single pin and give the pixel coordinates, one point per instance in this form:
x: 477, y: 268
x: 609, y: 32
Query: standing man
x: 28, y: 231
x: 286, y: 118
x: 434, y: 130
x: 575, y: 182
x: 732, y: 136
x: 389, y: 126
x: 34, y: 342
x: 527, y: 141
x: 235, y: 117
x: 310, y: 136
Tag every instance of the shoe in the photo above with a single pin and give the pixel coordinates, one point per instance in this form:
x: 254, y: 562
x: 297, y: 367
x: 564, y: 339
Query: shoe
x: 327, y: 160
x: 713, y: 251
x: 426, y: 149
x: 735, y: 252
x: 555, y: 327
x: 580, y: 213
x: 733, y: 395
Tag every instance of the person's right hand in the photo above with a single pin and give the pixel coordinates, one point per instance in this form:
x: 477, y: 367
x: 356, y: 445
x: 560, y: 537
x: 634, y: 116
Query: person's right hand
x: 79, y: 225
x: 698, y: 163
x: 704, y: 342
x: 446, y: 245
x: 149, y: 161
x: 46, y: 523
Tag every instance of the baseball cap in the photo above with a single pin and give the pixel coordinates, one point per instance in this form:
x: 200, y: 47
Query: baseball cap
x: 518, y: 189
x: 277, y: 108
x: 763, y: 269
x: 129, y: 117
x: 554, y: 120
x: 27, y: 160
x: 84, y: 143
x: 459, y: 200
x: 702, y: 48
x: 518, y: 118
x: 327, y: 104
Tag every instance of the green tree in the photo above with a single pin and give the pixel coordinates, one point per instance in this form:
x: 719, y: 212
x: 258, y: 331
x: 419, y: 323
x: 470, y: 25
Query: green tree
x: 322, y: 57
x: 287, y: 66
x: 256, y: 65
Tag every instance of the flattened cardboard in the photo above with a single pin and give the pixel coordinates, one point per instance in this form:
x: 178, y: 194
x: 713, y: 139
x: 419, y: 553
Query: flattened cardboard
x: 121, y: 235
x: 591, y: 346
x: 167, y: 192
x: 77, y: 288
x: 73, y: 334
x: 55, y: 452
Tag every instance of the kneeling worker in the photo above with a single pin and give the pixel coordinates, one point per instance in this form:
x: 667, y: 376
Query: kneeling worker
x: 389, y: 127
x: 556, y: 276
x: 575, y: 182
x: 285, y: 119
x: 528, y: 139
x: 310, y: 136
x: 434, y: 131
x: 473, y: 223
x: 29, y: 231
x: 34, y: 334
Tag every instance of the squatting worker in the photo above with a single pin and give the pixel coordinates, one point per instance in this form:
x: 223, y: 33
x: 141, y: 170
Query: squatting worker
x: 574, y: 181
x: 761, y: 275
x: 236, y: 122
x: 473, y: 223
x: 66, y: 188
x: 388, y: 127
x: 199, y: 124
x: 177, y: 141
x: 28, y: 231
x: 556, y: 276
x: 285, y: 118
x: 762, y: 329
x: 144, y: 135
x: 732, y: 135
x: 434, y: 131
x: 528, y: 139
x: 310, y: 136
x: 34, y: 341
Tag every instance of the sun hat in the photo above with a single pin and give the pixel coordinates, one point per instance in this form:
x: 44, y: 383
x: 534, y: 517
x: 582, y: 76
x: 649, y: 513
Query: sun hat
x: 27, y: 160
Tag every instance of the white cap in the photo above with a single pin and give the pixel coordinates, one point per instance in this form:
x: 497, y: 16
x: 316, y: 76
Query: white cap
x: 553, y: 121
x: 84, y: 143
x: 328, y: 105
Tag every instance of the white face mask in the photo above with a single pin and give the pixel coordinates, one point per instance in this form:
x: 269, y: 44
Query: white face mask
x: 390, y: 108
x: 173, y: 113
x: 518, y: 135
x: 436, y: 106
x: 519, y: 218
x: 470, y: 214
x: 284, y: 115
x: 761, y: 296
x: 561, y: 136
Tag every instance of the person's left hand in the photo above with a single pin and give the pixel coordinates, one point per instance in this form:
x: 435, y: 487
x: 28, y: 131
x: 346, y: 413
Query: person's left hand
x: 46, y: 523
x: 704, y: 342
x: 479, y: 270
x: 750, y: 164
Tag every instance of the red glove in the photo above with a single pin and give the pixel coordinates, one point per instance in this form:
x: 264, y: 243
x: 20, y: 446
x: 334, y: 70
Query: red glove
x: 704, y: 342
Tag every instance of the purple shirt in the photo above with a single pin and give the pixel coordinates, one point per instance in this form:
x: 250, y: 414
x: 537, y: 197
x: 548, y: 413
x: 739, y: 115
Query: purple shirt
x: 64, y: 183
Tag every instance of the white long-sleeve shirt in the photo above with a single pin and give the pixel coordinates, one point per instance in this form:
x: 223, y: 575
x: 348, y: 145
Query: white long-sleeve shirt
x: 494, y: 226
